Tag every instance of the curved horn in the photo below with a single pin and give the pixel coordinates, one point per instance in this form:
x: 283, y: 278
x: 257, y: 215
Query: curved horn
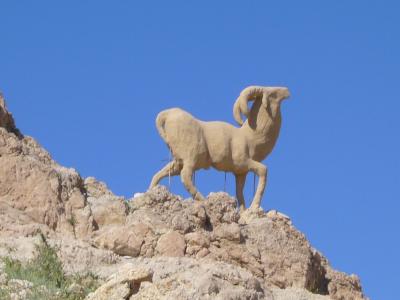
x: 248, y: 94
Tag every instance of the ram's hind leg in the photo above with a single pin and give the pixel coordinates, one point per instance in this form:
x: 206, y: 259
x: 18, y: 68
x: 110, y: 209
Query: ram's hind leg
x: 186, y: 177
x: 171, y: 169
x: 240, y: 181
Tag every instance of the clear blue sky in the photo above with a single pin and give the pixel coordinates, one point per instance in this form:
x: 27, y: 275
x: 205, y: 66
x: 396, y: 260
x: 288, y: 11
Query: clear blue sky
x: 87, y: 79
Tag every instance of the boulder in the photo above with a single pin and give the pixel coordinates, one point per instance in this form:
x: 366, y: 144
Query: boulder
x: 108, y: 210
x: 227, y: 231
x: 171, y: 244
x: 127, y: 240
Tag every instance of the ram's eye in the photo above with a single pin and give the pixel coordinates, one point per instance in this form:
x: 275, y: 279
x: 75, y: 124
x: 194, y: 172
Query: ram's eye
x: 273, y: 95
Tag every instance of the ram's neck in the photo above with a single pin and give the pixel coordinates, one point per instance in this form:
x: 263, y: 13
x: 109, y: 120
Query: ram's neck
x: 262, y: 128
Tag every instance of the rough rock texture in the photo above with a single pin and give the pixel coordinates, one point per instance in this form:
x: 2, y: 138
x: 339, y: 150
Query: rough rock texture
x: 269, y: 246
x: 181, y: 278
x: 162, y: 245
x: 171, y: 244
x: 32, y: 183
x: 6, y: 118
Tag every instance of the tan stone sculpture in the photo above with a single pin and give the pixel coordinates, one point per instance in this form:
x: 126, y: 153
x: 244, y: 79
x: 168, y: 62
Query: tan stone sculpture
x: 197, y: 144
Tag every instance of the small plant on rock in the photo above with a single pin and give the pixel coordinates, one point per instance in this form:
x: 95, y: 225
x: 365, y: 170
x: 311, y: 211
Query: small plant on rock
x: 47, y: 276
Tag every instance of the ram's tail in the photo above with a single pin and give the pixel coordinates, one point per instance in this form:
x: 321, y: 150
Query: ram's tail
x: 160, y: 124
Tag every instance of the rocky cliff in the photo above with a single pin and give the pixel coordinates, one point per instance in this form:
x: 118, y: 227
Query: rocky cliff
x: 156, y: 245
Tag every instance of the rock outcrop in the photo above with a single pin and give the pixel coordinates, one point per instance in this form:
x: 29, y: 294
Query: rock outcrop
x: 156, y: 245
x: 181, y: 278
x: 6, y: 118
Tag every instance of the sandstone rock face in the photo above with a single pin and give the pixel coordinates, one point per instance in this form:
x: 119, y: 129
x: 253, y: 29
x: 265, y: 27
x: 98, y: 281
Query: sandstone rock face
x: 126, y: 240
x: 32, y: 183
x: 105, y: 206
x: 181, y: 278
x: 171, y: 244
x: 107, y: 210
x: 156, y: 245
x: 122, y: 285
x: 6, y: 119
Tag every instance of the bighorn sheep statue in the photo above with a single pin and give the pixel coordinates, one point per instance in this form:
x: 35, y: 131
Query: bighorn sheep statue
x: 199, y: 145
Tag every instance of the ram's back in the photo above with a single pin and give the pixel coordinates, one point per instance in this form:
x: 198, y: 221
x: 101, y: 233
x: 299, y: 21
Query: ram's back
x: 184, y: 136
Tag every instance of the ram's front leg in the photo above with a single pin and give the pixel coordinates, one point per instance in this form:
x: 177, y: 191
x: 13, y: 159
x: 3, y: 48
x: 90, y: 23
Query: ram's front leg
x: 261, y: 171
x: 186, y: 177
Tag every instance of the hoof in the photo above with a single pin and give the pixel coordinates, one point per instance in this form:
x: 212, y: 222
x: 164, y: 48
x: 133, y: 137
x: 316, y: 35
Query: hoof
x: 255, y: 209
x: 152, y: 185
x: 198, y: 197
x: 250, y: 214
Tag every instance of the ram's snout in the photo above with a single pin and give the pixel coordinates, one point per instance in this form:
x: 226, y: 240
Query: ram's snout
x: 283, y: 93
x: 286, y: 93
